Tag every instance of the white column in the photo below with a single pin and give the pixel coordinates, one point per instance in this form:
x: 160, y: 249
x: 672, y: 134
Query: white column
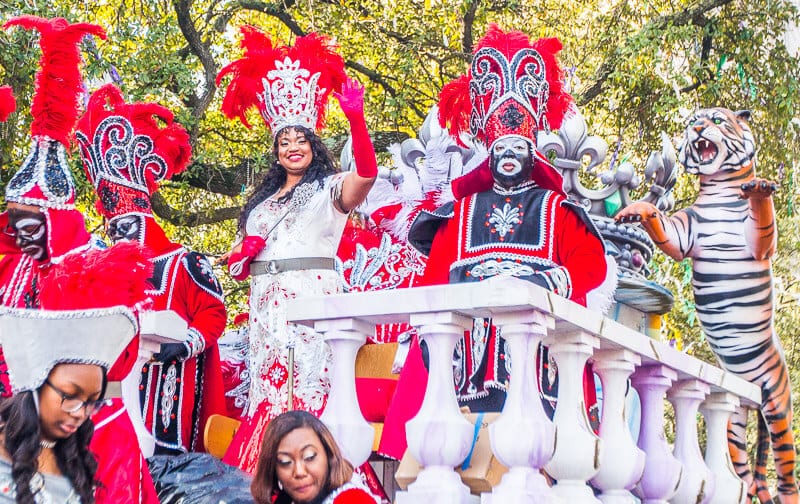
x: 439, y: 437
x: 621, y: 467
x: 523, y: 438
x: 342, y: 414
x: 717, y: 410
x: 578, y: 449
x: 662, y: 471
x: 697, y: 483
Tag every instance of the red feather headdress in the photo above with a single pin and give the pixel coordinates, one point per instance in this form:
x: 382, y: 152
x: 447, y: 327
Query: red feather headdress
x: 44, y: 178
x: 128, y: 149
x: 7, y: 102
x: 290, y: 86
x: 513, y: 87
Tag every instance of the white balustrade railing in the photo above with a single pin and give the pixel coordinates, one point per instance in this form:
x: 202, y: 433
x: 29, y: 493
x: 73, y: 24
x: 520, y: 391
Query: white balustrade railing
x: 609, y: 467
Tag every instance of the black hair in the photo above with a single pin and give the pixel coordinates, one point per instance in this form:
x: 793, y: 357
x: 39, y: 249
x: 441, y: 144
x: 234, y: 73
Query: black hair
x: 321, y: 166
x: 19, y: 421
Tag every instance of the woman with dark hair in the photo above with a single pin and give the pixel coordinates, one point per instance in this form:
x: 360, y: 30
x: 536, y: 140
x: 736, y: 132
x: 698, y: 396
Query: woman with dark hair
x: 47, y: 451
x: 301, y: 463
x: 57, y: 358
x: 290, y: 228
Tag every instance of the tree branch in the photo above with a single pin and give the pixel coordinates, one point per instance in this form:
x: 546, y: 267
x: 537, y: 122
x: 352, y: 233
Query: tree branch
x: 469, y: 20
x: 704, y: 54
x: 199, y: 104
x: 278, y: 12
x: 695, y: 16
x: 190, y: 219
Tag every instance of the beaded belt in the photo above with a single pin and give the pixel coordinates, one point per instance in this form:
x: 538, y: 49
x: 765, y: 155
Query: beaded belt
x: 300, y: 263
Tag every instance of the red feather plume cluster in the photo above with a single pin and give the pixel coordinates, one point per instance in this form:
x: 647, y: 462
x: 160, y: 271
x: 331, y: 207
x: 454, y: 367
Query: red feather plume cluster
x: 115, y: 276
x: 315, y: 52
x: 455, y: 106
x: 58, y: 82
x: 7, y: 102
x: 170, y: 139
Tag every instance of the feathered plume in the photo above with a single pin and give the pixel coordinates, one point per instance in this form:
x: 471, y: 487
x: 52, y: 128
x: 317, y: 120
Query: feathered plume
x: 170, y: 139
x: 98, y: 279
x: 246, y: 85
x: 314, y: 53
x: 58, y: 82
x: 7, y: 102
x: 455, y: 107
x: 317, y: 53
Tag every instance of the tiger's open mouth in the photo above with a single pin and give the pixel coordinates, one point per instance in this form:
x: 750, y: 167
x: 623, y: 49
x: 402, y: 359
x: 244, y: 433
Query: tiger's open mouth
x: 706, y: 150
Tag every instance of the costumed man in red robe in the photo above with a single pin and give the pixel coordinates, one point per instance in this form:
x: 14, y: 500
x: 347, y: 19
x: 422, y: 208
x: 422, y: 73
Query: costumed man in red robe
x: 42, y: 227
x: 513, y: 217
x: 127, y: 150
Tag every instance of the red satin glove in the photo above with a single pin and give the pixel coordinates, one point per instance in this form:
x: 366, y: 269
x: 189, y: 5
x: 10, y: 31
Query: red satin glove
x: 351, y: 100
x: 478, y: 180
x: 239, y: 262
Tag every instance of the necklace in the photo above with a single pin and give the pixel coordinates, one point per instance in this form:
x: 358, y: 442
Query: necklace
x: 47, y: 444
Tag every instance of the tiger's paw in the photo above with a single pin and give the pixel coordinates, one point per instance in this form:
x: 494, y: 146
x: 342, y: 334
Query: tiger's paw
x: 758, y: 189
x: 637, y: 212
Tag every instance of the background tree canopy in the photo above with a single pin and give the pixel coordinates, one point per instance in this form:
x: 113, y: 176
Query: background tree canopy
x: 635, y: 68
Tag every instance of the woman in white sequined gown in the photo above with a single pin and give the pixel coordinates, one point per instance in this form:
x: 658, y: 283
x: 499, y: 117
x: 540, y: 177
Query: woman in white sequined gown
x: 299, y: 213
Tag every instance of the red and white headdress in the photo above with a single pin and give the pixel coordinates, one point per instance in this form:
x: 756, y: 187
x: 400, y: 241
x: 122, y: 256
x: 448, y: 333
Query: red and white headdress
x: 128, y: 149
x: 88, y: 315
x: 44, y: 180
x: 289, y: 85
x: 513, y: 87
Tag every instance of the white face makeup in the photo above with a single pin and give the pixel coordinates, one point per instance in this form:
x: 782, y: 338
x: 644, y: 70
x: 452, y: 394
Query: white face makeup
x: 511, y: 161
x: 29, y: 229
x: 126, y: 227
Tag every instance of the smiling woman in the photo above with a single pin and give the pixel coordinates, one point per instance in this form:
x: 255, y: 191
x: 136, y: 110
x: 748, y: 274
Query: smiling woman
x: 300, y: 463
x: 291, y: 225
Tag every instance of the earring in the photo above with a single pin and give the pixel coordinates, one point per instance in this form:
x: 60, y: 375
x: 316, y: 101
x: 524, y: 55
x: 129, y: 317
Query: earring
x: 280, y: 486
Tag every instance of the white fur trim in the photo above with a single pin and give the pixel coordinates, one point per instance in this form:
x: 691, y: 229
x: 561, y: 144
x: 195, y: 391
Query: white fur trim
x: 601, y: 298
x: 400, y: 224
x: 435, y: 171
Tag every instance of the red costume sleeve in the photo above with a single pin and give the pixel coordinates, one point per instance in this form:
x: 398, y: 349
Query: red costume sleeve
x: 580, y: 252
x: 354, y: 496
x: 124, y: 363
x: 205, y: 312
x: 121, y: 469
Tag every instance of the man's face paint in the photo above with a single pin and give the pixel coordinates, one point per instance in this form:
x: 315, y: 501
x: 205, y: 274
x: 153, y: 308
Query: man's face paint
x: 511, y: 162
x: 126, y: 227
x: 29, y: 229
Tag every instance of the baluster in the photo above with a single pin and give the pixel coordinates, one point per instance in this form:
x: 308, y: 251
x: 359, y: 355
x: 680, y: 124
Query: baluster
x: 717, y: 410
x: 577, y: 452
x: 697, y: 483
x: 662, y: 471
x: 439, y: 437
x: 523, y: 438
x: 342, y: 414
x: 620, y: 467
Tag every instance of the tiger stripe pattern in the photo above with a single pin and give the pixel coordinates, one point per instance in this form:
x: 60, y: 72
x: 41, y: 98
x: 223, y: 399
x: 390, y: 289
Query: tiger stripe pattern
x: 729, y: 232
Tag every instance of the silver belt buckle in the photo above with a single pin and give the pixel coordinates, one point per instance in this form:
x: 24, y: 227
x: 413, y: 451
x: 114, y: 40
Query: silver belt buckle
x: 271, y: 267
